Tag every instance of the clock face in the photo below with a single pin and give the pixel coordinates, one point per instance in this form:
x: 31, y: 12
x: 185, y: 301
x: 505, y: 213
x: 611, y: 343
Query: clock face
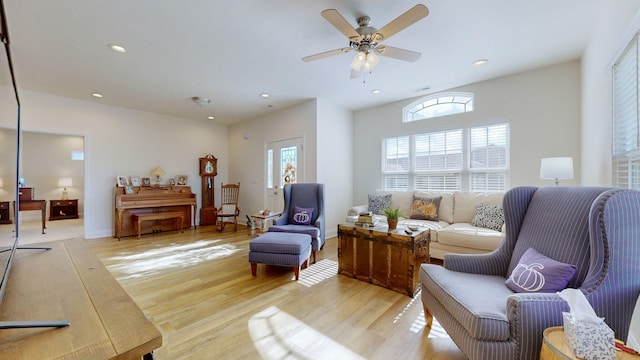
x: 208, y: 166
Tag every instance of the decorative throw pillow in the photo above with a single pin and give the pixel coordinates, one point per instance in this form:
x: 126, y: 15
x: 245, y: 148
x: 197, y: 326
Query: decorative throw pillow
x: 425, y: 208
x: 302, y: 216
x: 377, y: 203
x: 489, y: 217
x: 538, y: 273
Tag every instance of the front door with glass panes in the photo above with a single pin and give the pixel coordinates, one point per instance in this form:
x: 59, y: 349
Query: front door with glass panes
x: 285, y: 165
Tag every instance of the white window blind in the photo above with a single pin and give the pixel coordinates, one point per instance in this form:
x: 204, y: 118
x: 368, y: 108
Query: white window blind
x: 488, y: 162
x: 472, y: 159
x: 438, y: 161
x: 396, y: 163
x: 626, y: 132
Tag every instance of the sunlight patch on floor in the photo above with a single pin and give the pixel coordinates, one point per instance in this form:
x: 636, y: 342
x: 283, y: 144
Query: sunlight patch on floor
x: 278, y: 335
x: 140, y: 264
x: 318, y: 272
x: 437, y: 331
x: 406, y: 308
x: 420, y: 322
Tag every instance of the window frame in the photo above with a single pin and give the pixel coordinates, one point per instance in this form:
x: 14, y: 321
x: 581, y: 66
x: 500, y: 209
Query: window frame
x: 409, y: 112
x: 463, y: 173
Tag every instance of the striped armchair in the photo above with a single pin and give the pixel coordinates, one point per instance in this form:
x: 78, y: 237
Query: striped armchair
x: 595, y: 229
x: 303, y: 195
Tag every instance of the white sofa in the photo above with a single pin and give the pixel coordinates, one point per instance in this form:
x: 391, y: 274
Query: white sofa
x: 453, y: 233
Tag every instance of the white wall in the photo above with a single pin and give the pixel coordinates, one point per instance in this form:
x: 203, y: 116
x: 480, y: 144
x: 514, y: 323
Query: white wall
x: 327, y: 132
x: 335, y: 162
x: 122, y: 141
x: 247, y: 142
x: 542, y: 107
x: 610, y: 35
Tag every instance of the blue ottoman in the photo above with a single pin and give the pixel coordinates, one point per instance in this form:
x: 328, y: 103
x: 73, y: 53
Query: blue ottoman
x: 280, y: 249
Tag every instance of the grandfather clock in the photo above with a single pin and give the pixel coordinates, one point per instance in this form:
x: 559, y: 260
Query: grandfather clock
x: 208, y: 171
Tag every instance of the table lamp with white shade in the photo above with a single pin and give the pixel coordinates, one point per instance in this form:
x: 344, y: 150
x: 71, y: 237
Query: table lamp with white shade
x: 556, y: 168
x: 65, y: 182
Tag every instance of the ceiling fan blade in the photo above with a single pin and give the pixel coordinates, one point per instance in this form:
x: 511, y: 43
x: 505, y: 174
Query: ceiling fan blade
x: 326, y: 54
x: 397, y: 53
x: 405, y: 20
x: 339, y: 22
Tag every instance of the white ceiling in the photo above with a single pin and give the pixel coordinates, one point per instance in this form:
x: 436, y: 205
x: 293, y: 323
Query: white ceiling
x: 231, y: 51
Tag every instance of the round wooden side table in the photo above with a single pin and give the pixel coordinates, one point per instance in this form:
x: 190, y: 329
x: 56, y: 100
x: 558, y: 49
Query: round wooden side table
x: 555, y: 347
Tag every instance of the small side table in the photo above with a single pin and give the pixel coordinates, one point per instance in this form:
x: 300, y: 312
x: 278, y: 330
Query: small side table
x: 63, y: 209
x: 555, y: 347
x: 259, y: 221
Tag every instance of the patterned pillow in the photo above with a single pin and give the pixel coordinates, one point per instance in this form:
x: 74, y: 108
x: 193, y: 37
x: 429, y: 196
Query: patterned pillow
x: 302, y: 216
x: 425, y: 208
x: 377, y: 203
x: 538, y: 273
x: 489, y: 217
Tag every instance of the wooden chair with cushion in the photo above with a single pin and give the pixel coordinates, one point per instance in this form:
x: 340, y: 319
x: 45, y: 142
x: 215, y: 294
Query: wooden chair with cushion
x: 228, y: 212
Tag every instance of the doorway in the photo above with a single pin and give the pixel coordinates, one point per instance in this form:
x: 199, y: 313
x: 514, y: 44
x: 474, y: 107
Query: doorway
x: 284, y: 160
x: 53, y: 166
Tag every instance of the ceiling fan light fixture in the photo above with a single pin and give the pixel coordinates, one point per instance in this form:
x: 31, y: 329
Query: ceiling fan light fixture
x: 371, y: 61
x: 358, y: 61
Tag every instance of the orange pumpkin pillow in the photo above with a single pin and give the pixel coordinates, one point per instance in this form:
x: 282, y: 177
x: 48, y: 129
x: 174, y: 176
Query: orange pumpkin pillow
x: 425, y: 208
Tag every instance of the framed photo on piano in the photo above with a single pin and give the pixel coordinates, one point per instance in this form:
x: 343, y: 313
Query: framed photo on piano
x: 122, y: 181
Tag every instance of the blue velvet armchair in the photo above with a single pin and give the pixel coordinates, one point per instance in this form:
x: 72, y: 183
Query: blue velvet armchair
x: 595, y: 229
x: 304, y: 195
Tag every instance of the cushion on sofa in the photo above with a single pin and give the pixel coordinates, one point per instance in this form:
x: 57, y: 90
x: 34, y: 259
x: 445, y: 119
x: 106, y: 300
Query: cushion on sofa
x: 377, y: 203
x: 399, y: 199
x: 468, y: 236
x: 425, y: 208
x: 488, y: 216
x: 446, y: 204
x: 465, y: 204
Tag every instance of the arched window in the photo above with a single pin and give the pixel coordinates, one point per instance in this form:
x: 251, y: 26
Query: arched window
x: 435, y: 105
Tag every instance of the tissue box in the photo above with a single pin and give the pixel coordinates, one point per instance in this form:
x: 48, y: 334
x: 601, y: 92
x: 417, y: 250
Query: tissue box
x: 589, y: 341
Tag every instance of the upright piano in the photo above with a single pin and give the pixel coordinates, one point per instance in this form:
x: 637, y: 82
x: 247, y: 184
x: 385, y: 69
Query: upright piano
x: 151, y: 200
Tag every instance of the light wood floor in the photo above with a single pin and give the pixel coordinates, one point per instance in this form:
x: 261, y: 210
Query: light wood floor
x: 198, y: 289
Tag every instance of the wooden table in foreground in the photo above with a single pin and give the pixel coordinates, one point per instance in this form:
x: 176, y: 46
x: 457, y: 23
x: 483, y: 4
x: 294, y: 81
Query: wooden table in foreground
x: 70, y: 283
x: 555, y: 347
x: 388, y: 259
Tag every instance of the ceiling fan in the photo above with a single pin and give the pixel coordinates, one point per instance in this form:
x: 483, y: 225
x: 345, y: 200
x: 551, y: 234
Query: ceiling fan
x: 366, y: 40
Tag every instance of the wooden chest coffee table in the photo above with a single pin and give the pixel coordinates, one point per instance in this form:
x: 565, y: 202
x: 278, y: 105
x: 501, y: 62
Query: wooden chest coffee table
x: 388, y: 259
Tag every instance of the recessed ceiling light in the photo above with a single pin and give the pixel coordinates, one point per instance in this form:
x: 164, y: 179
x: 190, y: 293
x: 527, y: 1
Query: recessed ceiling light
x: 264, y: 95
x: 376, y: 91
x: 480, y: 62
x: 97, y: 95
x: 117, y: 48
x: 210, y: 117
